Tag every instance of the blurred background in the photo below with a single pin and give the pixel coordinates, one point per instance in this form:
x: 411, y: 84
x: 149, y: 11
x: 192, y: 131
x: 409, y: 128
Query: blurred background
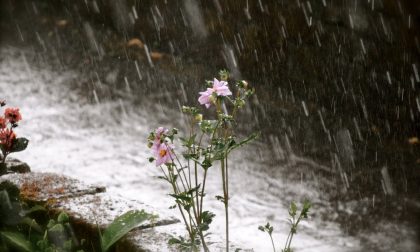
x: 337, y: 103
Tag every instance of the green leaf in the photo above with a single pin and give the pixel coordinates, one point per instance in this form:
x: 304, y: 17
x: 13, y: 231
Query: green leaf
x: 174, y: 241
x: 188, y: 142
x: 33, y: 209
x: 293, y: 209
x: 220, y: 198
x: 206, y: 163
x: 192, y: 190
x: 305, y: 209
x: 63, y: 217
x: 57, y: 228
x: 19, y: 144
x: 121, y: 226
x: 32, y: 223
x: 250, y: 138
x: 172, y: 207
x: 17, y: 240
x: 190, y: 156
x: 207, y: 218
x: 182, y: 197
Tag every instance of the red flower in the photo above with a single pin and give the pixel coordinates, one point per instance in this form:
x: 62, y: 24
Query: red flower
x: 13, y: 115
x: 6, y: 138
x: 3, y: 122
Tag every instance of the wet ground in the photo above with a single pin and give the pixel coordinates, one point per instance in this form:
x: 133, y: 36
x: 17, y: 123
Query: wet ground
x: 328, y: 111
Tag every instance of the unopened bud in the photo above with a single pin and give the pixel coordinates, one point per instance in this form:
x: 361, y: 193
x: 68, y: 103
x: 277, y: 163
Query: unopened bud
x: 224, y: 75
x: 243, y: 84
x: 198, y: 117
x: 185, y: 109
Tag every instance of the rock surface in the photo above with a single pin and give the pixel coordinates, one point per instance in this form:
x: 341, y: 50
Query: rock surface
x: 90, y: 206
x: 16, y: 166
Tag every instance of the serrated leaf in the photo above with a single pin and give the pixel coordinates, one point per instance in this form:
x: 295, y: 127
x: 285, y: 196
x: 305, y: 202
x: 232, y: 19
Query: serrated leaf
x: 250, y: 138
x: 181, y: 197
x: 121, y: 226
x: 220, y: 198
x: 172, y: 207
x: 293, y: 209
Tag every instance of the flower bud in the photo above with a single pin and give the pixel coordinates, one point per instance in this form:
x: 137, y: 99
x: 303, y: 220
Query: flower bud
x: 243, y: 84
x: 185, y: 109
x: 199, y: 117
x: 224, y: 75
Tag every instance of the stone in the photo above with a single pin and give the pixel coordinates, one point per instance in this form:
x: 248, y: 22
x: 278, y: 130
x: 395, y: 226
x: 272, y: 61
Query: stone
x: 41, y: 187
x: 15, y: 166
x: 102, y: 208
x: 91, y: 207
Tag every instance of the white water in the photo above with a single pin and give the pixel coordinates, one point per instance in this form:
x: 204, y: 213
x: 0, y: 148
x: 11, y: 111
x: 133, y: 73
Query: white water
x: 103, y: 144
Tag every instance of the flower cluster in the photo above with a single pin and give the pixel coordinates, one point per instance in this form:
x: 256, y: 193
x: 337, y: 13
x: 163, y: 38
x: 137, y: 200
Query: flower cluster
x: 219, y: 88
x: 7, y: 122
x: 161, y: 147
x: 209, y: 142
x: 8, y: 140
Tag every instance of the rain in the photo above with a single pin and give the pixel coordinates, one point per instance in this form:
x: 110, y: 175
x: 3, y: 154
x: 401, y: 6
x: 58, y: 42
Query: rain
x: 336, y: 101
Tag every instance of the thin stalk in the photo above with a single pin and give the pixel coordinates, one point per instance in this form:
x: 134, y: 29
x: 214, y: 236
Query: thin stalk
x: 294, y: 227
x: 290, y: 241
x: 272, y: 243
x: 202, y: 191
x: 7, y: 145
x: 185, y: 185
x: 197, y: 216
x: 287, y: 241
x: 225, y: 200
x: 196, y: 193
x: 182, y: 214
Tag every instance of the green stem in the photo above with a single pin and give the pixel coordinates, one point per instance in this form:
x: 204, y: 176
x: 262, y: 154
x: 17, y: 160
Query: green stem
x: 287, y: 240
x: 182, y: 213
x: 226, y: 200
x: 202, y: 191
x: 290, y: 241
x: 196, y: 193
x: 272, y: 243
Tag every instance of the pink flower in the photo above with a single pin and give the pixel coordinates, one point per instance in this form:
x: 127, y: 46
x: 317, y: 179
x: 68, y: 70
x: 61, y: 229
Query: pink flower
x: 160, y: 131
x: 13, y: 115
x: 158, y: 135
x: 3, y: 122
x: 205, y: 97
x: 164, y: 154
x: 220, y: 88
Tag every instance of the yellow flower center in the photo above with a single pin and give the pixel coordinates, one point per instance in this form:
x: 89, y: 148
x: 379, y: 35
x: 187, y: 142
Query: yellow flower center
x: 162, y: 153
